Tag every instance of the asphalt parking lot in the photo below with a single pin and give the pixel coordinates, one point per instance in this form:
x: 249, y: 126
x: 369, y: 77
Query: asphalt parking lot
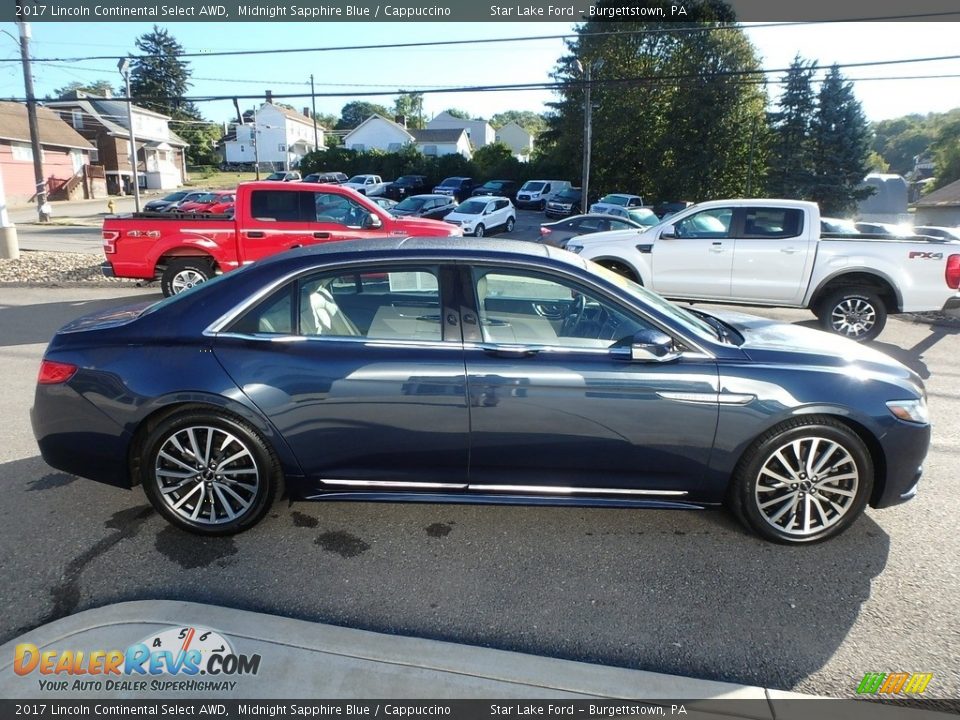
x: 686, y: 593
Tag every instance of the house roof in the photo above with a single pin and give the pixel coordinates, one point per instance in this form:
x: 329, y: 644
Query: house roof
x: 438, y: 135
x: 112, y: 114
x: 947, y: 196
x: 14, y: 125
x: 518, y: 126
x: 374, y: 118
x: 293, y: 115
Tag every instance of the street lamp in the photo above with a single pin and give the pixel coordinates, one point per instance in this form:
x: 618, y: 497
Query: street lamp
x: 124, y: 67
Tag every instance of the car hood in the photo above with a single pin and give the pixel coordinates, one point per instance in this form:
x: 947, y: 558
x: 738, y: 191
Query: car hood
x: 413, y: 225
x: 634, y: 235
x: 461, y: 217
x: 771, y: 341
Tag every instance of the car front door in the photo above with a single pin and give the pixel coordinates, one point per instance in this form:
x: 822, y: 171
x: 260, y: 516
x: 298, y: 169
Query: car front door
x: 361, y: 372
x: 696, y: 259
x: 772, y: 255
x: 558, y: 406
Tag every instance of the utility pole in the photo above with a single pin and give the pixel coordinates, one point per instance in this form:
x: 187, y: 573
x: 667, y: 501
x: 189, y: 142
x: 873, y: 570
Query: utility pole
x: 41, y: 185
x: 313, y: 103
x: 585, y: 68
x: 124, y: 67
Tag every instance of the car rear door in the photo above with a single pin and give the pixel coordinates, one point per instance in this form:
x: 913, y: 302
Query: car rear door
x: 773, y: 250
x: 558, y: 407
x: 360, y: 370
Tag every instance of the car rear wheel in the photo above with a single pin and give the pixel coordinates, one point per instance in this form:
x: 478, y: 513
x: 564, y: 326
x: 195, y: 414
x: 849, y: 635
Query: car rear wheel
x: 208, y: 473
x: 856, y: 313
x: 803, y: 482
x: 510, y: 224
x: 479, y: 232
x: 184, y: 273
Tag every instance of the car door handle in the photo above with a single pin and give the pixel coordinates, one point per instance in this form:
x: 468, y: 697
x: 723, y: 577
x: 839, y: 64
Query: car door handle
x: 716, y: 247
x: 511, y: 351
x: 322, y: 235
x: 255, y: 234
x: 788, y: 250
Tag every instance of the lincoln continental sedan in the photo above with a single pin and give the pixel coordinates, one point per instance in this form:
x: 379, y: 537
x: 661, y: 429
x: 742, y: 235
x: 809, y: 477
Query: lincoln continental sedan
x: 473, y: 371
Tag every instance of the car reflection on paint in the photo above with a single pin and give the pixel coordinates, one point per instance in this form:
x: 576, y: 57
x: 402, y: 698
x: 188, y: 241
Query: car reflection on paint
x: 473, y: 372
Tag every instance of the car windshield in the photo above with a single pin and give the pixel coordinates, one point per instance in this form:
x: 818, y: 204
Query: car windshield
x: 450, y: 182
x: 569, y: 195
x: 689, y: 321
x: 408, y: 180
x: 205, y: 197
x: 532, y: 186
x: 493, y: 185
x: 175, y: 196
x: 471, y: 207
x: 276, y: 176
x: 359, y: 179
x: 644, y: 216
x: 614, y: 199
x: 411, y: 203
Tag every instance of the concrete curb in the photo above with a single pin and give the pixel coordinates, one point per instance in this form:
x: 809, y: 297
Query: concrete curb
x: 300, y: 659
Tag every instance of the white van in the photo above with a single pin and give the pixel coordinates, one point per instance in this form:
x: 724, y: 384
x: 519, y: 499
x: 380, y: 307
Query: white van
x: 536, y: 193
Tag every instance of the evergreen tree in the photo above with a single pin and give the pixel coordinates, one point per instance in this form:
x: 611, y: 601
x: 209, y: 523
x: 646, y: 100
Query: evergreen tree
x: 672, y: 116
x: 159, y: 79
x: 355, y: 112
x: 792, y: 153
x: 841, y: 139
x: 946, y: 153
x: 100, y: 87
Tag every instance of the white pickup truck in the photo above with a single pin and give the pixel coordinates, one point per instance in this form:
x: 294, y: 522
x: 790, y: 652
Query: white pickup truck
x: 370, y: 185
x: 771, y: 252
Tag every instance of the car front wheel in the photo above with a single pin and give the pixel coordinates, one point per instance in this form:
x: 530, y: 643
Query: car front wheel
x: 208, y: 473
x: 184, y: 273
x: 480, y: 231
x: 804, y: 481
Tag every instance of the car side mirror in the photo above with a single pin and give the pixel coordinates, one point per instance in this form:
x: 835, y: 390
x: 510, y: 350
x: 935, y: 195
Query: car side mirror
x: 653, y: 346
x: 669, y: 232
x: 372, y: 222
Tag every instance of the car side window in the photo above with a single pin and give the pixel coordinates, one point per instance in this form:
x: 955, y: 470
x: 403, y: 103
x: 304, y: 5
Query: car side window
x: 536, y: 309
x: 376, y: 303
x: 772, y: 222
x: 332, y: 208
x: 500, y: 204
x: 713, y: 223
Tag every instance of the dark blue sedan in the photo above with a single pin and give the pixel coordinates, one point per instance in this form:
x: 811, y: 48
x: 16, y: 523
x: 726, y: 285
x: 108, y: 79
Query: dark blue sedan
x: 485, y: 371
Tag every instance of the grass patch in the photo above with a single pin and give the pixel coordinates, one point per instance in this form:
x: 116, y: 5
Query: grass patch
x: 220, y: 180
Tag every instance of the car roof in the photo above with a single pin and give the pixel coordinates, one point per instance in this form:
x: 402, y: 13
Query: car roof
x: 435, y: 196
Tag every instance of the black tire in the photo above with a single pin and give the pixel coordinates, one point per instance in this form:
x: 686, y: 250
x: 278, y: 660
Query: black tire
x: 223, y: 489
x: 510, y: 224
x: 857, y: 313
x: 806, y: 509
x: 183, y: 273
x: 479, y: 231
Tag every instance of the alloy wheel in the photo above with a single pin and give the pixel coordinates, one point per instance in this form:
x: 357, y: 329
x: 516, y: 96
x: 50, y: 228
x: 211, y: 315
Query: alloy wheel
x: 186, y: 279
x: 853, y: 317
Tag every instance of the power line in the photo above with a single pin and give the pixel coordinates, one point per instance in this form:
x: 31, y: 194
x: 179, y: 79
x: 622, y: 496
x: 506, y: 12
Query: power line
x: 488, y: 41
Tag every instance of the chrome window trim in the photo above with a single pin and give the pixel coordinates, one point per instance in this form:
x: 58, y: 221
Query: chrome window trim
x: 565, y: 490
x: 376, y: 342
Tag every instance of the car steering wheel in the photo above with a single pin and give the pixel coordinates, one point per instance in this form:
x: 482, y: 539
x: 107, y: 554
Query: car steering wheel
x: 574, y: 314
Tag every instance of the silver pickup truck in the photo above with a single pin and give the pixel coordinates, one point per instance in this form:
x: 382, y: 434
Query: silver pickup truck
x: 772, y: 252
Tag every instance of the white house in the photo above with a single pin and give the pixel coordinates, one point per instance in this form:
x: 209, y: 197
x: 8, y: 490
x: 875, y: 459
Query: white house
x: 283, y: 137
x: 378, y: 133
x: 443, y: 142
x: 479, y: 132
x: 517, y: 139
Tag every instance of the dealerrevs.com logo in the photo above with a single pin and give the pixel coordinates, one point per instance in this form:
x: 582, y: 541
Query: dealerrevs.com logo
x: 177, y: 652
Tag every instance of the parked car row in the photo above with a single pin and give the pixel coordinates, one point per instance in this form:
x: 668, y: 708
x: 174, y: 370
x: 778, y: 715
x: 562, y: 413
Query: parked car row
x: 475, y: 216
x: 207, y: 202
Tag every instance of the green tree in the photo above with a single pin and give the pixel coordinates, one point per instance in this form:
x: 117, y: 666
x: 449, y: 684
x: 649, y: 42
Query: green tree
x: 841, y: 142
x: 410, y: 106
x: 946, y: 154
x: 356, y: 111
x: 202, y: 138
x: 532, y: 122
x: 792, y: 149
x: 159, y: 79
x: 495, y: 161
x: 100, y: 87
x: 457, y: 113
x: 672, y: 116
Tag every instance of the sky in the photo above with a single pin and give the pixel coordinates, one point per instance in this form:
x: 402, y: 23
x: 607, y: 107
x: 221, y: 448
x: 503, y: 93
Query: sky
x: 464, y: 64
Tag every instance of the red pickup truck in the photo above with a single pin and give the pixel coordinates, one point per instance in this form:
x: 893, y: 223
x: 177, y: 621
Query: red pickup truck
x: 183, y: 250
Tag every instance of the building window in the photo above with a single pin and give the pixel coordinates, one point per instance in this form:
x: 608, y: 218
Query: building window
x: 429, y: 149
x: 359, y: 147
x: 21, y: 151
x: 76, y: 118
x: 394, y: 147
x: 281, y: 147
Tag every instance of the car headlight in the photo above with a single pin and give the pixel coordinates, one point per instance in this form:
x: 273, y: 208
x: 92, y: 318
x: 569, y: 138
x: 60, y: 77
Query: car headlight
x: 574, y: 248
x: 914, y: 411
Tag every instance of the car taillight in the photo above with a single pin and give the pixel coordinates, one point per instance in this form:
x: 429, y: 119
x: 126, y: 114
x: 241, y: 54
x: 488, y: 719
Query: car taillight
x: 54, y: 373
x: 545, y: 231
x: 110, y: 241
x: 952, y: 273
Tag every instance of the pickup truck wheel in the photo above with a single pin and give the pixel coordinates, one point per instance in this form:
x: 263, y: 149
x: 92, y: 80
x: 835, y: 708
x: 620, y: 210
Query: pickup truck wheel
x: 803, y: 481
x: 856, y: 313
x: 183, y: 274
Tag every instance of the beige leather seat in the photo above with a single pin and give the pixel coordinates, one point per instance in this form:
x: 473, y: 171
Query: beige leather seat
x: 327, y: 316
